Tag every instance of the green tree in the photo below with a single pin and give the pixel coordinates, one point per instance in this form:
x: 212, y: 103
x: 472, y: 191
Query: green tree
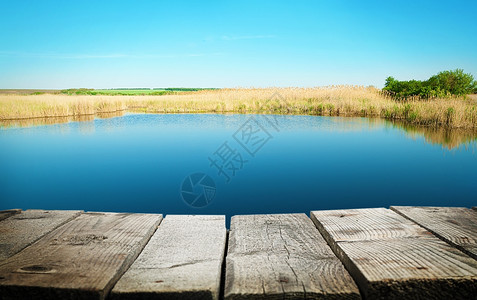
x: 453, y: 82
x: 444, y: 84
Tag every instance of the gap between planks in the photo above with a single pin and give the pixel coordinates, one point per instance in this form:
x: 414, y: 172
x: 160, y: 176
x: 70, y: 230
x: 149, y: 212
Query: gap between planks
x: 282, y: 257
x: 391, y: 257
x: 454, y: 225
x: 23, y: 228
x: 7, y: 213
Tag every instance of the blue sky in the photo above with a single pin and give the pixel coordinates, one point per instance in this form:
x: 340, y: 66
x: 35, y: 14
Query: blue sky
x: 107, y: 44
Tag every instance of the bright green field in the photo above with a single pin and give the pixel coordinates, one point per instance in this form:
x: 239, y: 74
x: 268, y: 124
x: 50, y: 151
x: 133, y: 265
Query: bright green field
x: 131, y: 92
x: 128, y: 92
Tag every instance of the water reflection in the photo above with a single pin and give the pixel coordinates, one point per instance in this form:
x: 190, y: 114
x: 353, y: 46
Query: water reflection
x: 31, y: 122
x: 447, y: 138
x: 5, y: 124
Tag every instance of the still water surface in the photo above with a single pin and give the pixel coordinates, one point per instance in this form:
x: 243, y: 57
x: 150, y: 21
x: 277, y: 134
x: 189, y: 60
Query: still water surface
x: 256, y: 164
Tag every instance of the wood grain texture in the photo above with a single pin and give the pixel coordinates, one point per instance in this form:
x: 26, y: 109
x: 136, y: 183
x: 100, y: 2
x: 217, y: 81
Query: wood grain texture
x: 455, y: 225
x: 391, y: 257
x: 283, y: 257
x: 183, y: 260
x: 9, y: 212
x: 23, y: 229
x: 82, y: 259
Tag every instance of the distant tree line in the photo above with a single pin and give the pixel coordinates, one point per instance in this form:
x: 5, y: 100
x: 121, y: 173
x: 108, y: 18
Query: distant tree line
x: 444, y: 84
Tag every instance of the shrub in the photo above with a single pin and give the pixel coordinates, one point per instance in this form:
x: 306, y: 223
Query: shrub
x: 444, y: 84
x: 453, y: 82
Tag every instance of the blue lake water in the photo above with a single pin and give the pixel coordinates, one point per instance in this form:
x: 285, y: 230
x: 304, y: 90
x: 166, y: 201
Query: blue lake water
x: 247, y: 164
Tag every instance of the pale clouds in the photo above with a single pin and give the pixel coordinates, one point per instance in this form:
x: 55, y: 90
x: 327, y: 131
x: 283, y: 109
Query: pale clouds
x: 102, y: 56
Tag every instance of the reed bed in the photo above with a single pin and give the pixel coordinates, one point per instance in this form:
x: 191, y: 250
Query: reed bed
x: 329, y: 101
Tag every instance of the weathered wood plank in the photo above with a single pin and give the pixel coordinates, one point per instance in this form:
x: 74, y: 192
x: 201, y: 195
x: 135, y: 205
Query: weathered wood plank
x: 9, y: 212
x: 455, y: 225
x: 183, y: 260
x: 23, y: 229
x: 283, y: 257
x: 391, y: 257
x: 81, y: 259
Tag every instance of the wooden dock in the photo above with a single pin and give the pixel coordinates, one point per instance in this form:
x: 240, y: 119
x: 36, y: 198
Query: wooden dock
x: 376, y: 253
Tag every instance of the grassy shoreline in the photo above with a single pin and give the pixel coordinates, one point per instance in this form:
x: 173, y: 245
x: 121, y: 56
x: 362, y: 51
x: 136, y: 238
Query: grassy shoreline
x: 329, y: 101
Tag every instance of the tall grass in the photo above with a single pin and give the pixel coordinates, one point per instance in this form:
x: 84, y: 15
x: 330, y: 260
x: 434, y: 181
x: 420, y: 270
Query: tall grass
x: 329, y: 101
x: 47, y: 105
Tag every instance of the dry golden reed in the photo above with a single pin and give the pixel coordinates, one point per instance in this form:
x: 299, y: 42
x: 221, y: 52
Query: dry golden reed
x: 329, y: 101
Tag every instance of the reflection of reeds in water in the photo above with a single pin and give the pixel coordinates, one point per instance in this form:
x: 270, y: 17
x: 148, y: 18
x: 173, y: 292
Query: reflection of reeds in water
x: 34, y: 122
x: 355, y: 124
x: 57, y: 120
x: 108, y: 115
x: 447, y: 138
x: 86, y: 124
